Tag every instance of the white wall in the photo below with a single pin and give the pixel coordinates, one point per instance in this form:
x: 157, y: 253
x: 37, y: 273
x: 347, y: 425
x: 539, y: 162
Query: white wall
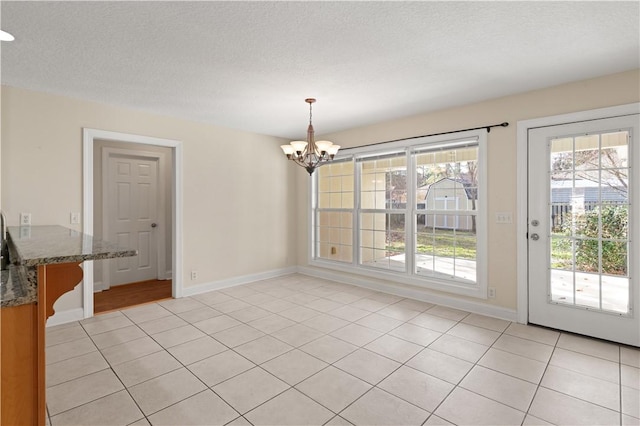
x: 239, y: 208
x: 617, y: 89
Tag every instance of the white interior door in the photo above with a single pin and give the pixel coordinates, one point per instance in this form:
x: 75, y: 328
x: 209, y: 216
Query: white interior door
x: 131, y: 207
x: 584, y: 228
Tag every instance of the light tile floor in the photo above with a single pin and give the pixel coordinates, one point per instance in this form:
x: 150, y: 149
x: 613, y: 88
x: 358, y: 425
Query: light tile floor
x: 300, y: 350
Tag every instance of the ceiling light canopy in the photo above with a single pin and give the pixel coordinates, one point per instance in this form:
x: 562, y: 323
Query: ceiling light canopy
x: 5, y: 36
x: 310, y: 154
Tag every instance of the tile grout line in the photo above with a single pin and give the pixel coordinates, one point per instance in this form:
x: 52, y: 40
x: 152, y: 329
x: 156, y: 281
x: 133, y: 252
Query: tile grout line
x: 324, y: 334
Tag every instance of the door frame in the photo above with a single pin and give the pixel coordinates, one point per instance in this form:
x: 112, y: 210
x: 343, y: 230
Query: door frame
x: 522, y: 187
x: 89, y: 137
x: 109, y: 152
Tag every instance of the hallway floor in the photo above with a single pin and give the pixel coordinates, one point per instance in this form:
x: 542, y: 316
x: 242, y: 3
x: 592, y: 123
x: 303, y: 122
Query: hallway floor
x: 302, y: 350
x: 126, y: 295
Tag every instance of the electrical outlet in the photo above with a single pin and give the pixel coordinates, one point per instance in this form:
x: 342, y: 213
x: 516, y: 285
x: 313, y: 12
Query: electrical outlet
x: 503, y: 217
x: 25, y: 219
x: 492, y: 293
x: 194, y: 275
x: 74, y: 218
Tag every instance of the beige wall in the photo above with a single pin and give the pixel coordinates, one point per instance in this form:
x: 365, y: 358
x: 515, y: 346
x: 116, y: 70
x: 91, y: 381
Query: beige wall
x: 238, y: 189
x: 243, y: 217
x: 602, y: 92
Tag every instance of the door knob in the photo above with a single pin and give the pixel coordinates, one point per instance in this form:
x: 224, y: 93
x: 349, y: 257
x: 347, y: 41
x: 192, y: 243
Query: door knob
x: 153, y: 225
x: 535, y: 237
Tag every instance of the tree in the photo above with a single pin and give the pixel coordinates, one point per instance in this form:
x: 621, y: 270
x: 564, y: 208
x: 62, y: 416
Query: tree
x: 586, y: 163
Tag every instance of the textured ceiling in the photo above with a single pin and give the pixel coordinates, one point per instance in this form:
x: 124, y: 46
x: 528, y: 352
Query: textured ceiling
x: 250, y: 65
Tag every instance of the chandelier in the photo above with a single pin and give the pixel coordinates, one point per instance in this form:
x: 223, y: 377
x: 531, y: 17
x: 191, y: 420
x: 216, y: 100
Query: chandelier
x: 310, y: 154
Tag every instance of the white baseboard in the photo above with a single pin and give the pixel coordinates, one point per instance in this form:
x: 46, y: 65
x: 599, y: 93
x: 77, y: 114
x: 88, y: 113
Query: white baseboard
x: 414, y: 293
x: 63, y: 317
x: 99, y: 286
x: 235, y: 281
x: 168, y: 275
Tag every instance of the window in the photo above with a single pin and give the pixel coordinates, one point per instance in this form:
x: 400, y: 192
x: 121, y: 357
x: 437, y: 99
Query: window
x: 334, y: 212
x: 446, y: 213
x: 383, y: 201
x: 418, y: 210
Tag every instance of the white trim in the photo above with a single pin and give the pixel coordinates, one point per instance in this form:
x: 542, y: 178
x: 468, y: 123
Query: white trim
x: 64, y: 317
x: 522, y: 185
x: 236, y: 281
x: 417, y: 294
x: 88, y: 138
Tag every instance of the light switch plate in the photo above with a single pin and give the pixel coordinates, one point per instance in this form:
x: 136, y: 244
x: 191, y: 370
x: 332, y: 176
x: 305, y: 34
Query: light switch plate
x: 504, y: 217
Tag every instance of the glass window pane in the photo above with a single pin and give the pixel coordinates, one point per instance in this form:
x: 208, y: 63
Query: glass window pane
x: 334, y: 236
x: 447, y: 179
x: 446, y: 246
x: 324, y: 200
x: 587, y: 152
x: 562, y: 253
x: 562, y: 154
x: 382, y: 240
x: 384, y: 183
x: 336, y: 183
x: 336, y: 200
x: 562, y: 286
x: 615, y: 293
x: 367, y: 200
x: 615, y: 150
x: 324, y: 184
x: 614, y: 258
x: 615, y: 222
x: 587, y: 290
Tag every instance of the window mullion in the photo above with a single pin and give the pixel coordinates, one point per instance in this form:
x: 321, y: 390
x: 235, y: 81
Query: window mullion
x: 410, y: 215
x: 357, y: 182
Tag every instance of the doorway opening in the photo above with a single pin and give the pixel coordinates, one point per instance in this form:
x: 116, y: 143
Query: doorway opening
x: 134, y: 294
x: 132, y: 193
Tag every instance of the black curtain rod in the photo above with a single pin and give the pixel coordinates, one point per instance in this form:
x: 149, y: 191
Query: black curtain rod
x: 505, y: 124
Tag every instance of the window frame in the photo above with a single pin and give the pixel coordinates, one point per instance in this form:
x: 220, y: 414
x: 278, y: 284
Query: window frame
x: 411, y: 147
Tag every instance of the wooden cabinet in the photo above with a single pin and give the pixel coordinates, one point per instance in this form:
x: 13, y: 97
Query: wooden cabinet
x: 22, y: 347
x: 19, y: 355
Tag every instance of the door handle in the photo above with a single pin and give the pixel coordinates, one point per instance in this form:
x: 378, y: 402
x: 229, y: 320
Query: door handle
x: 535, y: 237
x: 153, y: 225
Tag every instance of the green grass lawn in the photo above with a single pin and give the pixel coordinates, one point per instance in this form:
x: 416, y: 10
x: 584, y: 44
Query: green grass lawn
x: 444, y: 243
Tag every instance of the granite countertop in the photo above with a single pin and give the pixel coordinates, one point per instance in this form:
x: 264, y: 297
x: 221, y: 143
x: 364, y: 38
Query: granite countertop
x: 31, y: 246
x: 44, y: 245
x: 18, y: 288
